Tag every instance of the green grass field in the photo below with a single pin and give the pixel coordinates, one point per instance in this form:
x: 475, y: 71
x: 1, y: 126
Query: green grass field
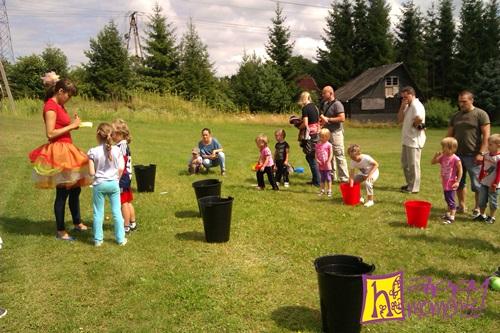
x: 168, y: 279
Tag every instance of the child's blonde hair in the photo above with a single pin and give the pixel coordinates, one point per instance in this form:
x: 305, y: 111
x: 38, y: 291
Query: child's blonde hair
x: 280, y: 131
x: 261, y: 138
x: 104, y: 132
x: 324, y: 132
x: 449, y: 144
x: 494, y: 138
x: 121, y: 127
x: 354, y: 149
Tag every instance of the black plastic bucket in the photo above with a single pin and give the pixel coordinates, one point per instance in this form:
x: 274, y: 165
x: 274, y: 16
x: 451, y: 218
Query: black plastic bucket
x: 216, y: 214
x: 145, y: 177
x: 205, y: 188
x: 340, y: 283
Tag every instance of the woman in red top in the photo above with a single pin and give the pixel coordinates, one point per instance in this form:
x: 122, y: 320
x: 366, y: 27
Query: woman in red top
x: 59, y: 163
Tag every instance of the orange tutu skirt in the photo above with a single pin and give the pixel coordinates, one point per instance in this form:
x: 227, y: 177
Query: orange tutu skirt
x: 60, y: 164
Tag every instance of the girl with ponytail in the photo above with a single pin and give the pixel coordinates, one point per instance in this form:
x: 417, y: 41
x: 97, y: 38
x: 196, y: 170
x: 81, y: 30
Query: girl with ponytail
x: 106, y: 164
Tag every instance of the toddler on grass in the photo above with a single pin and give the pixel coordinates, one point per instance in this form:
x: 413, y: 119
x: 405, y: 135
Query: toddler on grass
x: 266, y: 163
x: 368, y: 171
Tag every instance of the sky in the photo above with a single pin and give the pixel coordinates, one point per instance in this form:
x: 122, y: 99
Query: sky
x: 229, y: 28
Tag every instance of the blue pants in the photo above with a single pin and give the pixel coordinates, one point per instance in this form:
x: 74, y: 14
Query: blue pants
x: 311, y: 159
x: 486, y: 196
x: 99, y: 192
x: 220, y: 160
x: 469, y: 166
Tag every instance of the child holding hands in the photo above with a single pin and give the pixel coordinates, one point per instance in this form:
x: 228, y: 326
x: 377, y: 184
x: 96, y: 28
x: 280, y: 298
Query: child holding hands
x: 324, y: 155
x: 451, y: 173
x: 368, y: 171
x: 266, y: 163
x: 489, y: 177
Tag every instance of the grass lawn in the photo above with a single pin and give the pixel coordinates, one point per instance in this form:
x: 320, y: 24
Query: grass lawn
x: 168, y: 279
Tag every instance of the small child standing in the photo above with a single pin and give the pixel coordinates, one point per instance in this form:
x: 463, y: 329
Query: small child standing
x: 196, y: 162
x: 451, y: 173
x: 122, y: 138
x: 324, y: 155
x: 266, y: 162
x: 281, y: 150
x: 368, y: 171
x: 106, y: 165
x: 489, y: 178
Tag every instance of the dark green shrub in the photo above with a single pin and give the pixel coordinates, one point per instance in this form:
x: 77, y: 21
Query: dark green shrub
x: 438, y: 112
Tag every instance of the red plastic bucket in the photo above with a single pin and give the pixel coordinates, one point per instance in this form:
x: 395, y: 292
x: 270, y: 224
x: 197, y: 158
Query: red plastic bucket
x: 417, y: 213
x: 350, y: 195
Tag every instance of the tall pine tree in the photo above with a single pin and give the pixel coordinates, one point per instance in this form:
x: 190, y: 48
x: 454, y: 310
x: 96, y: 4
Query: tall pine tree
x: 430, y: 50
x: 490, y: 44
x: 445, y: 69
x: 161, y: 64
x: 409, y: 43
x: 379, y: 48
x: 279, y: 48
x: 336, y: 62
x: 361, y: 36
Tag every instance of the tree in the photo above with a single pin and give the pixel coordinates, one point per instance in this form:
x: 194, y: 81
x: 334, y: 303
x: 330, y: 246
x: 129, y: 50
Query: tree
x: 161, y: 64
x: 25, y: 77
x: 108, y: 71
x: 409, y: 43
x: 196, y: 73
x: 487, y: 86
x: 55, y: 60
x: 490, y: 43
x: 336, y: 62
x: 361, y: 36
x: 430, y: 50
x: 445, y: 69
x: 279, y: 48
x: 379, y: 47
x: 244, y: 83
x: 469, y: 40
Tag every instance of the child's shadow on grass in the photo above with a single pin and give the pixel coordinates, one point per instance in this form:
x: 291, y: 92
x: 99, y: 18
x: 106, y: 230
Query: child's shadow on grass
x: 191, y: 236
x: 465, y: 243
x: 186, y: 214
x: 297, y: 318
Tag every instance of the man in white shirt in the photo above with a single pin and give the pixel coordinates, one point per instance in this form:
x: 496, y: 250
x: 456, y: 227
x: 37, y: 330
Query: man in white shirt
x: 412, y: 115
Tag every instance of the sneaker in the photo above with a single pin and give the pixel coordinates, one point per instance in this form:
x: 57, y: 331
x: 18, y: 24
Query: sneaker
x: 479, y: 218
x: 320, y: 193
x: 369, y: 203
x: 223, y: 173
x: 476, y: 213
x: 329, y: 194
x: 133, y: 226
x: 127, y: 229
x: 98, y: 243
x: 362, y: 200
x: 490, y: 220
x: 450, y: 220
x: 124, y: 242
x: 286, y: 184
x: 445, y: 216
x: 3, y: 312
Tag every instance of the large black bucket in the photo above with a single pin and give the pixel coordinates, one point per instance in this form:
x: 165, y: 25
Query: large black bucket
x: 341, y: 291
x: 205, y: 188
x: 216, y: 213
x: 145, y: 177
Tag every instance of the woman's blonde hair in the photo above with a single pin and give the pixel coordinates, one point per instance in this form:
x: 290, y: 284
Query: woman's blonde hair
x: 304, y: 99
x: 450, y: 144
x: 263, y: 138
x: 121, y: 127
x: 104, y: 132
x: 354, y: 149
x: 325, y: 132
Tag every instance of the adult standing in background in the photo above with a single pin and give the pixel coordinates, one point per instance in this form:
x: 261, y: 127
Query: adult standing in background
x: 332, y: 117
x: 471, y: 127
x: 412, y: 114
x: 310, y: 123
x: 211, y: 151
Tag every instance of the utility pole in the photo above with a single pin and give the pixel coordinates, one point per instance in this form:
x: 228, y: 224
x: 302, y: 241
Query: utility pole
x: 133, y: 33
x: 6, y: 50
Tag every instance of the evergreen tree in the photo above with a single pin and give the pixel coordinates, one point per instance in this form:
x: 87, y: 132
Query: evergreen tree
x: 55, y: 60
x: 490, y: 43
x: 409, y: 42
x: 469, y: 40
x: 196, y: 73
x: 108, y: 71
x: 487, y: 86
x: 161, y: 64
x: 279, y: 48
x: 379, y: 47
x: 430, y: 50
x: 361, y: 37
x: 336, y: 62
x: 244, y: 83
x: 445, y: 70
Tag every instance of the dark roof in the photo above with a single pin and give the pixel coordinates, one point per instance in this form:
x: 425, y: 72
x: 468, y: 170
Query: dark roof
x: 366, y: 79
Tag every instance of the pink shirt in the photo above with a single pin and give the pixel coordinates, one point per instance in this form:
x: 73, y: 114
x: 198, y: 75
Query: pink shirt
x: 448, y: 171
x: 264, y: 153
x: 323, y: 151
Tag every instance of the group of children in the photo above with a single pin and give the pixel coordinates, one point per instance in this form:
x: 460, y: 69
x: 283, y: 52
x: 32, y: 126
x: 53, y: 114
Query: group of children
x: 110, y: 164
x: 452, y: 172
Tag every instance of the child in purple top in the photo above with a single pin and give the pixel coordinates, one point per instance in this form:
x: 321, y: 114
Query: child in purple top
x: 266, y: 162
x: 324, y: 155
x: 451, y: 173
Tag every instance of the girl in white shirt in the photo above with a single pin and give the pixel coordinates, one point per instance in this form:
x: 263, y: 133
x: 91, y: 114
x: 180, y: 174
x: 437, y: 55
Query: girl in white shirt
x: 106, y: 165
x: 368, y: 171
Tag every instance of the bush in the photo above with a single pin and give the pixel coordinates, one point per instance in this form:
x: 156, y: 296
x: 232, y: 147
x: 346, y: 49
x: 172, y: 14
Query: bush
x: 438, y: 112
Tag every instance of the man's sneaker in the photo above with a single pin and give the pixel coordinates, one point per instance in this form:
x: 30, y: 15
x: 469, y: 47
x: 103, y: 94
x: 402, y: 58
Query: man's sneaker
x: 97, y: 243
x: 286, y: 184
x: 490, y: 220
x: 3, y: 312
x: 476, y: 213
x: 479, y: 218
x: 369, y: 203
x: 123, y: 243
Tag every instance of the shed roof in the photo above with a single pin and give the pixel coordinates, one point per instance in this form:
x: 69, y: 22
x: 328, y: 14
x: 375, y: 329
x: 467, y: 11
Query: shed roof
x: 364, y: 80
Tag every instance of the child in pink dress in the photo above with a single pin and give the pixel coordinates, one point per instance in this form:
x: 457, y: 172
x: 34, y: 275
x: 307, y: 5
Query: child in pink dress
x: 266, y: 162
x: 451, y: 173
x: 324, y: 155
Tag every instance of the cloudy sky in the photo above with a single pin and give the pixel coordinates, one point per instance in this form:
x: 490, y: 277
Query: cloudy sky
x: 227, y: 27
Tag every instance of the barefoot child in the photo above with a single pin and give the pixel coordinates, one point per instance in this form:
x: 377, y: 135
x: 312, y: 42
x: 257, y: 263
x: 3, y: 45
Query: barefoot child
x: 266, y: 162
x: 324, y: 155
x: 106, y: 165
x: 368, y: 174
x: 489, y: 177
x: 281, y: 150
x: 451, y: 173
x: 122, y: 138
